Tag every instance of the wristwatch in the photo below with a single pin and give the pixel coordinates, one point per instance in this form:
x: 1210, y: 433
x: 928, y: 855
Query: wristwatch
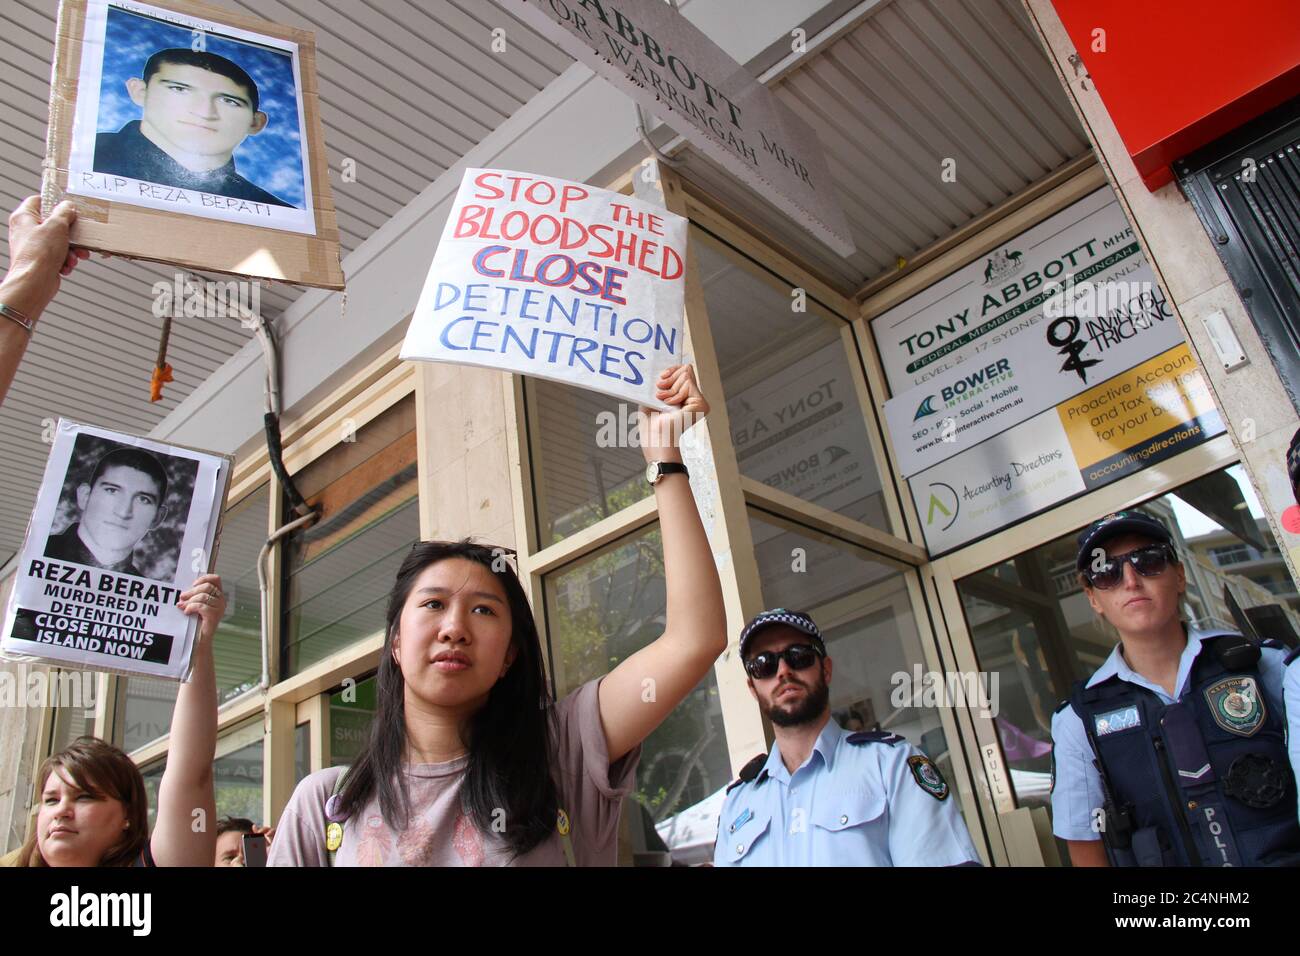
x: 657, y: 469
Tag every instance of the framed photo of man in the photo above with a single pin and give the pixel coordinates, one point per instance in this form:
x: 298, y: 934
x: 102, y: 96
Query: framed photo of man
x: 122, y: 525
x: 191, y: 135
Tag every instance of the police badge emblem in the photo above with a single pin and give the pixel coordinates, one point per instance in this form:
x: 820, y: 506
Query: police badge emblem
x: 927, y: 777
x: 1237, y: 705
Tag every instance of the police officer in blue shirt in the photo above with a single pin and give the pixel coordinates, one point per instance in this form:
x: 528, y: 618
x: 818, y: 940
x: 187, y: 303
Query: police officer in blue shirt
x: 824, y: 796
x: 1174, y: 752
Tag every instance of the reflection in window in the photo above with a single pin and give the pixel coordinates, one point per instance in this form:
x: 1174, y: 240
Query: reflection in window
x: 146, y: 713
x: 603, y: 609
x: 587, y: 469
x: 796, y: 421
x: 152, y: 777
x: 73, y: 717
x: 351, y: 711
x: 301, y: 752
x: 1033, y: 627
x: 238, y: 779
x: 338, y: 571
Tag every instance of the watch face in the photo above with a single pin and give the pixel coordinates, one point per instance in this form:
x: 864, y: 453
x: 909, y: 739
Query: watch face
x: 652, y: 472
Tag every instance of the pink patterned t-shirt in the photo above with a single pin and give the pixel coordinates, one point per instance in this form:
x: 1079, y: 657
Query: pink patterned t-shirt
x: 440, y: 834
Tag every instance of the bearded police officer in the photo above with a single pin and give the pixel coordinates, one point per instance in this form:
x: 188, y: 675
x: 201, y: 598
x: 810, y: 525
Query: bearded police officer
x: 824, y: 796
x: 1174, y: 752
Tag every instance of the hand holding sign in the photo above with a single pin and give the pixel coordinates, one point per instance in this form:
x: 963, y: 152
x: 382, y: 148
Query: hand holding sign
x: 205, y: 599
x: 39, y: 255
x: 661, y: 432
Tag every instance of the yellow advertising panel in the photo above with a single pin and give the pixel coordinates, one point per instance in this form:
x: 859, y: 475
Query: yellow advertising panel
x: 1139, y: 416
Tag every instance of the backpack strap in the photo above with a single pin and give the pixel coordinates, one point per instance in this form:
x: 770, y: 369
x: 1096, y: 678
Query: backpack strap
x: 334, y: 818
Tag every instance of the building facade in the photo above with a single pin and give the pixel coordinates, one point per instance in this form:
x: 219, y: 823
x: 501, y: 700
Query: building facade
x: 952, y: 132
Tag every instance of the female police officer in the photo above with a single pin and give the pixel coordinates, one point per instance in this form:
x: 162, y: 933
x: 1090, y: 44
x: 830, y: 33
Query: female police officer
x: 1173, y: 753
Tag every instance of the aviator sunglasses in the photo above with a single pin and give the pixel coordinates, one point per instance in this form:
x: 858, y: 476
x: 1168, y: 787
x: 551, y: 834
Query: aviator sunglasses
x: 798, y: 656
x: 1149, y: 562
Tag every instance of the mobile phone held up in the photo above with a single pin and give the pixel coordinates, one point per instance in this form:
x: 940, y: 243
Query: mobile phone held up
x: 254, y: 849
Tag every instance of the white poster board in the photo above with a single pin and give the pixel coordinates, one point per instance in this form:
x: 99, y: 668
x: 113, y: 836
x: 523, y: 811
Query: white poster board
x: 555, y: 279
x: 122, y: 526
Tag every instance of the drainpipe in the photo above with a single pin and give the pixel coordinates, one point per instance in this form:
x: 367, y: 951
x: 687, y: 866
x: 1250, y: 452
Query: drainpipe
x: 305, y: 514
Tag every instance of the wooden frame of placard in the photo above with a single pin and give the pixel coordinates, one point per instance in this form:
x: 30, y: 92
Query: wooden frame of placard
x: 190, y: 241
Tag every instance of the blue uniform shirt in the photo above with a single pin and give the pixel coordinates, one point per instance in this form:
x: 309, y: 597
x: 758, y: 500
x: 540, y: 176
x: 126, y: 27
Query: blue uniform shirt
x: 849, y: 804
x: 1291, y: 700
x: 1076, y: 789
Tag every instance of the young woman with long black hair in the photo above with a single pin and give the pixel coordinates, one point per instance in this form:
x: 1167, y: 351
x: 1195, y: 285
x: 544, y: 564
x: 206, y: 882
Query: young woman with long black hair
x: 468, y: 761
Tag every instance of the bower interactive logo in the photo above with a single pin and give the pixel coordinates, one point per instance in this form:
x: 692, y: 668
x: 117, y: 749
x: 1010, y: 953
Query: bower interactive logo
x: 925, y: 408
x: 1002, y: 265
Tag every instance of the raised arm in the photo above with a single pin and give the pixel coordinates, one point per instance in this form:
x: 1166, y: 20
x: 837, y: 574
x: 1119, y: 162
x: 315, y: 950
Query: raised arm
x: 38, y: 256
x: 639, y: 693
x: 181, y: 837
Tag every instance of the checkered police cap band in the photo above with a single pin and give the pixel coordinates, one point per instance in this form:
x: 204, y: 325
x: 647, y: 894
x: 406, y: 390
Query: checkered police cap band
x: 796, y: 619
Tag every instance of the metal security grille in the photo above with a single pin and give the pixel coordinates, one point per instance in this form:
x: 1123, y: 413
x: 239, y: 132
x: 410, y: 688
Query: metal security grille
x: 1246, y: 190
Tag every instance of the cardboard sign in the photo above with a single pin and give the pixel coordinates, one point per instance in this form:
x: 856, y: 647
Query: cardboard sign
x: 122, y: 526
x: 555, y: 279
x: 191, y: 135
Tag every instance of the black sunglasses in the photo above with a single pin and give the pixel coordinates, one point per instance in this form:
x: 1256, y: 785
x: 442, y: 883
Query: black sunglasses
x: 1149, y: 562
x: 798, y: 656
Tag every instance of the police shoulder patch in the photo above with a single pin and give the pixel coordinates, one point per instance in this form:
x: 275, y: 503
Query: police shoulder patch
x: 927, y: 776
x: 875, y: 737
x: 1237, y: 705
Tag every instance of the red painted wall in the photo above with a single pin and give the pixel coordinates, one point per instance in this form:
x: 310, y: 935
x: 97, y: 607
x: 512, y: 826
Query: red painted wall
x: 1177, y: 74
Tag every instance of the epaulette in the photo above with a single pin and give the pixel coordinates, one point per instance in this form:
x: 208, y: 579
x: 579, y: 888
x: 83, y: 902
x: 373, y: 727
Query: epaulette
x: 1290, y: 657
x: 875, y: 737
x: 749, y: 772
x: 1272, y: 643
x: 1062, y: 705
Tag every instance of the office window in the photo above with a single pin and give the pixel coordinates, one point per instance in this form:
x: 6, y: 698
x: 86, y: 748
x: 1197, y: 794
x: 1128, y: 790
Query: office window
x: 338, y: 571
x: 585, y: 469
x: 796, y: 422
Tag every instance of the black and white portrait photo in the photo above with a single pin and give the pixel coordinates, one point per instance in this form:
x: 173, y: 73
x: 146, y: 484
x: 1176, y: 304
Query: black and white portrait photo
x: 121, y: 526
x: 122, y: 509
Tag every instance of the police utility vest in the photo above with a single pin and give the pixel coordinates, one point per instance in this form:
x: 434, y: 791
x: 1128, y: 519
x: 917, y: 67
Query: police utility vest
x: 1204, y: 781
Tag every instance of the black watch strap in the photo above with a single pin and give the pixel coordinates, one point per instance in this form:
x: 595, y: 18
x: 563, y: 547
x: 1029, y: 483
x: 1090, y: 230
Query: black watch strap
x: 671, y: 468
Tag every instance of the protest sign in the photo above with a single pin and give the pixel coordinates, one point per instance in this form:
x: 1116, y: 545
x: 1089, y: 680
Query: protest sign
x: 555, y: 279
x: 187, y: 134
x: 122, y: 526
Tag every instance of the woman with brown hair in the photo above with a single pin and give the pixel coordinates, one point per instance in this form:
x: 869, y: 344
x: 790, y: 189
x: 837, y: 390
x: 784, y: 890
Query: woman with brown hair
x: 93, y: 806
